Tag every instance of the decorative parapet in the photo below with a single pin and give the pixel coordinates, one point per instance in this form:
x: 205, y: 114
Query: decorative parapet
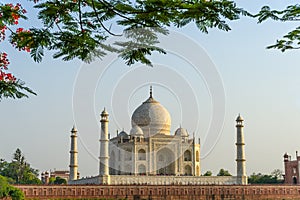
x: 160, y: 180
x: 173, y: 180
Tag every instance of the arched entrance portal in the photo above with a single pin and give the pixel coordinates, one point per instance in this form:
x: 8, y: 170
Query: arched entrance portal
x: 294, y: 180
x: 187, y: 170
x: 142, y: 169
x: 165, y: 162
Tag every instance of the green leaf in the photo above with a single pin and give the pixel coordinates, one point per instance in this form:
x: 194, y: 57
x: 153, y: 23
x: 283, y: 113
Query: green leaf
x: 14, y: 90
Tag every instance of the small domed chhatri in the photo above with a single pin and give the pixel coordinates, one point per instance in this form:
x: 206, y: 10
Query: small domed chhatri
x: 152, y: 118
x: 181, y: 132
x: 124, y: 135
x: 136, y: 131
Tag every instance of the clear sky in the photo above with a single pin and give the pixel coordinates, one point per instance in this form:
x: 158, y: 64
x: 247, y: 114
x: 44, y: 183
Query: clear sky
x: 202, y: 76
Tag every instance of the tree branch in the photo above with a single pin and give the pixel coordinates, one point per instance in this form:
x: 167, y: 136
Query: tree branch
x: 80, y: 17
x: 99, y: 20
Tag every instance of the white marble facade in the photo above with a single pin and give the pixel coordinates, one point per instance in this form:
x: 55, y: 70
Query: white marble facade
x: 150, y: 154
x: 150, y: 148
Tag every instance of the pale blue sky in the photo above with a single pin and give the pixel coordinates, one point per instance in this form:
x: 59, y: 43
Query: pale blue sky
x: 260, y: 84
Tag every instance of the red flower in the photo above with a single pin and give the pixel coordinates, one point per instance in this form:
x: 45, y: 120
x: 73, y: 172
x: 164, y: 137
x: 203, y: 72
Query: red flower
x: 15, y: 16
x: 27, y: 49
x: 19, y: 30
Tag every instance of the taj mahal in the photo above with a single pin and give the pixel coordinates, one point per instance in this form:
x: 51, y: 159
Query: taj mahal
x: 151, y: 154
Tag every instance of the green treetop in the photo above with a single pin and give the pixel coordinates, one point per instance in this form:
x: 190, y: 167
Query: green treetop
x: 208, y: 173
x: 223, y: 172
x: 8, y: 191
x: 19, y: 170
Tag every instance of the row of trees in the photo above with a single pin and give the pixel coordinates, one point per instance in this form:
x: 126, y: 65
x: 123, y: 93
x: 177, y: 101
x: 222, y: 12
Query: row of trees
x: 274, y: 178
x: 80, y: 29
x: 222, y: 172
x: 256, y: 178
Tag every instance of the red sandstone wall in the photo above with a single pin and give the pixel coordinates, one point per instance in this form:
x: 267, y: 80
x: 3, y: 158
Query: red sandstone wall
x: 289, y: 172
x: 170, y: 192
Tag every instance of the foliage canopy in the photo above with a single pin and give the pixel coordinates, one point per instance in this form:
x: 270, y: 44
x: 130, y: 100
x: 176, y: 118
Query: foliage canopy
x: 19, y: 170
x: 81, y: 29
x: 223, y: 172
x: 6, y: 190
x: 290, y: 14
x: 57, y: 181
x: 274, y: 178
x: 207, y: 173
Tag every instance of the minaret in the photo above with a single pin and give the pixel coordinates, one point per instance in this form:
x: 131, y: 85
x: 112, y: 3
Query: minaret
x: 240, y: 152
x: 104, y: 155
x: 73, y: 155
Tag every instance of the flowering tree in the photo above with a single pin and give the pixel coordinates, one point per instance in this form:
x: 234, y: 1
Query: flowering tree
x: 10, y: 86
x: 80, y: 28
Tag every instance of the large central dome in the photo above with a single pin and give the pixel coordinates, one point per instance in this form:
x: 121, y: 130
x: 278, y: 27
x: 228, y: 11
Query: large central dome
x: 152, y: 118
